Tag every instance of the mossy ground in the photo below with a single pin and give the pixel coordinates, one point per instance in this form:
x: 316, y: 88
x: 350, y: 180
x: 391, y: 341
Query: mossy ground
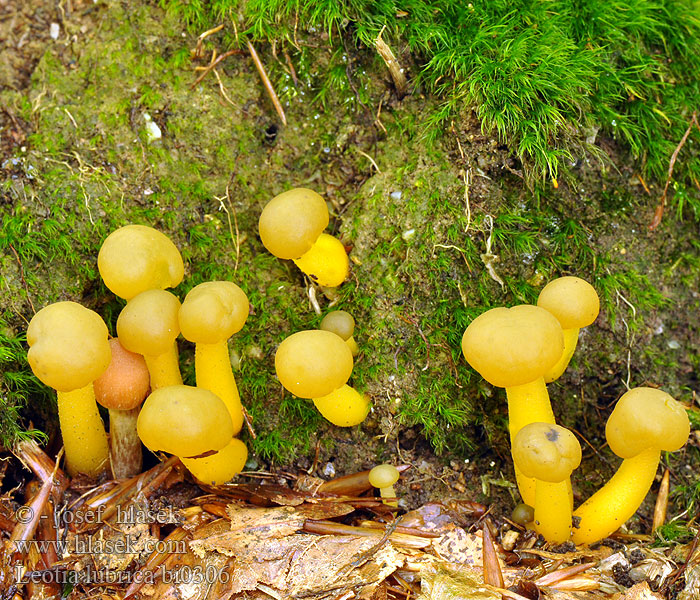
x: 439, y: 232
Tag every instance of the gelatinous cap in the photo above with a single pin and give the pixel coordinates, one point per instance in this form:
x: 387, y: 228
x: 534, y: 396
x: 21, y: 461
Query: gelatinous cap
x: 213, y: 311
x: 646, y: 418
x: 546, y: 452
x: 339, y: 322
x: 137, y: 258
x: 148, y: 324
x: 513, y: 346
x: 125, y: 383
x: 383, y: 476
x: 291, y: 222
x: 68, y: 347
x: 185, y: 421
x: 344, y: 407
x: 326, y: 263
x: 572, y: 300
x: 312, y: 364
x: 221, y: 467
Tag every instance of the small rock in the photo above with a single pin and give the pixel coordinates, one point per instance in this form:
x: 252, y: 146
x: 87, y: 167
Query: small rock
x: 54, y: 30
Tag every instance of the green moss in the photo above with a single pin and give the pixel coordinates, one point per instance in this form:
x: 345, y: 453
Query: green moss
x: 540, y: 76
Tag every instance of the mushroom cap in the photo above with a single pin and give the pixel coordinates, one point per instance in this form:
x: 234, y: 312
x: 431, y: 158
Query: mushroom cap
x: 185, y: 421
x: 339, y: 322
x: 221, y: 467
x: 291, y: 222
x: 344, y: 407
x: 68, y: 347
x: 572, y: 300
x: 513, y: 346
x: 311, y: 364
x: 136, y: 258
x: 125, y: 383
x: 149, y: 324
x: 326, y: 262
x: 383, y: 476
x: 646, y: 418
x: 546, y: 452
x: 213, y: 311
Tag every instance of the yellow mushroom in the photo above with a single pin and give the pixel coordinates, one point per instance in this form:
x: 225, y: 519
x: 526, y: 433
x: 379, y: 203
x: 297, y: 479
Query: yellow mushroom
x: 291, y: 227
x: 341, y: 323
x: 210, y: 314
x: 68, y: 350
x: 384, y: 477
x: 121, y: 389
x: 316, y: 364
x: 575, y: 304
x: 185, y: 421
x: 513, y: 348
x: 644, y: 422
x: 148, y: 325
x: 344, y: 407
x: 137, y: 258
x: 549, y: 453
x: 220, y: 467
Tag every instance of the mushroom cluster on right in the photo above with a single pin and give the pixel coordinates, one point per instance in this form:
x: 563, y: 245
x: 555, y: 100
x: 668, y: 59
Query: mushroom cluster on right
x: 522, y: 349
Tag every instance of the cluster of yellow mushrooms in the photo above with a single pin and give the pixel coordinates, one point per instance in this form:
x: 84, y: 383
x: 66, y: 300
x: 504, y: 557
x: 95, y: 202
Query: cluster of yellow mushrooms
x: 520, y: 348
x: 525, y: 347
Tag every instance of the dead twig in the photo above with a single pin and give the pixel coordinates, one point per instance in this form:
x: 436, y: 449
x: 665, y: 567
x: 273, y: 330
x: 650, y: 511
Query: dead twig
x: 266, y: 83
x: 215, y: 60
x: 395, y: 70
x: 492, y: 570
x: 197, y: 52
x: 661, y: 502
x: 22, y: 279
x: 659, y: 212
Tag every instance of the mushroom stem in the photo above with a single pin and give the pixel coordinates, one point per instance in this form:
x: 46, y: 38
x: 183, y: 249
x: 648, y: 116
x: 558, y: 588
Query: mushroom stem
x: 527, y: 403
x: 389, y: 492
x: 212, y: 365
x: 326, y: 262
x: 570, y: 343
x: 614, y: 503
x: 164, y: 369
x: 125, y: 445
x: 221, y: 467
x: 553, y: 510
x: 84, y: 437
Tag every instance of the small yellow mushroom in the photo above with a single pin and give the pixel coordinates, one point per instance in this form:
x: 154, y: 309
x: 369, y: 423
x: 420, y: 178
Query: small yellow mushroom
x: 575, y: 304
x: 549, y: 453
x: 221, y: 467
x: 291, y: 227
x: 644, y: 422
x: 68, y: 350
x: 341, y: 323
x: 185, y: 421
x: 313, y: 363
x: 316, y: 364
x: 149, y: 325
x: 121, y: 389
x: 344, y: 407
x: 210, y: 314
x: 137, y: 258
x: 513, y: 348
x: 384, y: 477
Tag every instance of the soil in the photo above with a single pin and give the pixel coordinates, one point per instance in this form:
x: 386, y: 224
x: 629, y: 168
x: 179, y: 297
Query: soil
x: 610, y: 200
